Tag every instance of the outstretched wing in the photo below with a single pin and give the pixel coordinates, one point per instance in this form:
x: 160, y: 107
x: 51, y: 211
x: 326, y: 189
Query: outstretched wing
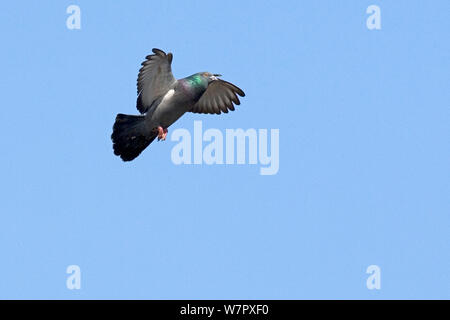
x: 218, y: 97
x: 154, y: 79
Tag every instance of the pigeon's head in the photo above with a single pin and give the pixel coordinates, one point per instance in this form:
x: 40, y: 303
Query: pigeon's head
x: 210, y: 76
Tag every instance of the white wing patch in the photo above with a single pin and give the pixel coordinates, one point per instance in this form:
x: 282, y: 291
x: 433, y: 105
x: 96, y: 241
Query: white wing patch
x: 168, y: 95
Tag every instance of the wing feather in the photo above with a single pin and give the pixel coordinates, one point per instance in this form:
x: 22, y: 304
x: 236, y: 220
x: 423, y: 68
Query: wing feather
x: 154, y: 79
x: 220, y: 96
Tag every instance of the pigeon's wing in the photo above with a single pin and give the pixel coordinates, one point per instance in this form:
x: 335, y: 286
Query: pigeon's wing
x: 154, y: 79
x: 218, y: 97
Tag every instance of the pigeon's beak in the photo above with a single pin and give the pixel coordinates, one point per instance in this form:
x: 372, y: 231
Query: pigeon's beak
x: 214, y: 76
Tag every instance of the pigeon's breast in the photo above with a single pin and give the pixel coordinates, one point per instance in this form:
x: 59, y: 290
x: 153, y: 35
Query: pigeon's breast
x: 173, y: 105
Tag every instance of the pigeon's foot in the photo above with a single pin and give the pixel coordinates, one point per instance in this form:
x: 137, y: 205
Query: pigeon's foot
x: 162, y: 133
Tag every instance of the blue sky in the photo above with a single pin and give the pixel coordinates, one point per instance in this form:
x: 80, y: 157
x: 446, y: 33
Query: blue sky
x: 363, y: 179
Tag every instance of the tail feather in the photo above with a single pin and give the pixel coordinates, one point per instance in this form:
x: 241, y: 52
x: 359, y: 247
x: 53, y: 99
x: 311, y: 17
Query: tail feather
x: 130, y: 136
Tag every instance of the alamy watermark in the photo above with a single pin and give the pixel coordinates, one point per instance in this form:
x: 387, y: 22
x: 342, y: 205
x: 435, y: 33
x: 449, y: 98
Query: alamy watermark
x: 237, y: 146
x: 74, y: 20
x: 73, y: 281
x: 374, y: 280
x: 373, y: 22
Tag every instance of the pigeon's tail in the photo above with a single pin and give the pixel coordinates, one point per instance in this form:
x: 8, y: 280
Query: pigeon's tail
x: 130, y: 136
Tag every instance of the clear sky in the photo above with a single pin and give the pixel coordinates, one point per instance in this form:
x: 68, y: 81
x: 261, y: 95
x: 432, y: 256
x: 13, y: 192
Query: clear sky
x: 363, y: 179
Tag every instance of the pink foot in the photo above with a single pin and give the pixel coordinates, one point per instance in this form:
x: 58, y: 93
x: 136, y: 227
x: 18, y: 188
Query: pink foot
x: 162, y: 133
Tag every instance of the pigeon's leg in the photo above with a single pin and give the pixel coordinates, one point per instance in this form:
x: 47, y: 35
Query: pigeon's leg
x: 161, y: 134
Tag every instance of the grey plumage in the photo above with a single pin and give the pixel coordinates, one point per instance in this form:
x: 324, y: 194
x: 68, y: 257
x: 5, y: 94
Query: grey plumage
x: 219, y: 97
x: 155, y: 79
x: 162, y: 100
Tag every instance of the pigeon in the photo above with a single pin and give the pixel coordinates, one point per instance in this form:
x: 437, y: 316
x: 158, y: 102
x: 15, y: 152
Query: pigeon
x: 162, y: 100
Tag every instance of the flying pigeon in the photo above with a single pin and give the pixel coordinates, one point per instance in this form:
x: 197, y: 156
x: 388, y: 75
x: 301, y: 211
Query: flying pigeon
x: 162, y: 100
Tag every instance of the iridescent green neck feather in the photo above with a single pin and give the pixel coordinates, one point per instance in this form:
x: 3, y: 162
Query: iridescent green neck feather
x: 196, y: 80
x: 195, y: 85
